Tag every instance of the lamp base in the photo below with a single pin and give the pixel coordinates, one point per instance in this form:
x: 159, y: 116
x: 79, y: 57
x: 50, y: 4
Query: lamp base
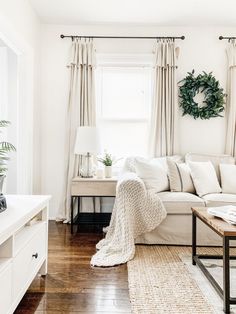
x: 87, y: 170
x: 84, y: 176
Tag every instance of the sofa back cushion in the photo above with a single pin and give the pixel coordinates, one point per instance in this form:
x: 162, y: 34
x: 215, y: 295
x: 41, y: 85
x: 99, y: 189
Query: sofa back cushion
x: 129, y: 165
x: 129, y: 162
x: 216, y: 160
x: 228, y: 178
x: 180, y: 177
x: 153, y: 174
x: 163, y: 160
x: 204, y: 177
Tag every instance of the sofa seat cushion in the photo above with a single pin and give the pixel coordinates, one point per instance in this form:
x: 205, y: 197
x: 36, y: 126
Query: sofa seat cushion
x: 180, y: 202
x: 219, y: 199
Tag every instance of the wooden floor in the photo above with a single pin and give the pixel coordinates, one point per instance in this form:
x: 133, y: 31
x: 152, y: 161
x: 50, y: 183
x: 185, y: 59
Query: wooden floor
x: 72, y: 285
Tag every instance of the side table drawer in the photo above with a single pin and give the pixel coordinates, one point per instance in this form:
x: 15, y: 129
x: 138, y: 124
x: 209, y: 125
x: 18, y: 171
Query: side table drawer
x: 93, y: 188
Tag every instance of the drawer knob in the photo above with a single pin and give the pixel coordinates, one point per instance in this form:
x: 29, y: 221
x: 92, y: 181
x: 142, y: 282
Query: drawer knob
x: 35, y: 255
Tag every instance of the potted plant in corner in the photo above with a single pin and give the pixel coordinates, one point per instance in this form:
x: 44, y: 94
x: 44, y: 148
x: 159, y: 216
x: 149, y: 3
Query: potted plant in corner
x: 108, y: 161
x: 5, y: 149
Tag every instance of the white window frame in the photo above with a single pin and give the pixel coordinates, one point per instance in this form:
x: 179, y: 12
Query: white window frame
x: 3, y: 83
x: 25, y: 105
x: 122, y: 61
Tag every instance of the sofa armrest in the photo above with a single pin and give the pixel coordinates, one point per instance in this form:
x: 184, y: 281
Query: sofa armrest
x: 130, y: 182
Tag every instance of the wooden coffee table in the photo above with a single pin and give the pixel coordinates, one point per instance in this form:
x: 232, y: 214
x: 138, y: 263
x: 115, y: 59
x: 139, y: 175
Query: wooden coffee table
x: 227, y: 232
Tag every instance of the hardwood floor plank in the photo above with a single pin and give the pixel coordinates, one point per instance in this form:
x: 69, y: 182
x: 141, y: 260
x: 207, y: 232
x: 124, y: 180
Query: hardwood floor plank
x: 72, y: 285
x: 70, y: 312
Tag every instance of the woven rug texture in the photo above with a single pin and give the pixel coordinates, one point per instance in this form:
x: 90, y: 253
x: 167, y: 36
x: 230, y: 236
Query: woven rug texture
x: 160, y: 281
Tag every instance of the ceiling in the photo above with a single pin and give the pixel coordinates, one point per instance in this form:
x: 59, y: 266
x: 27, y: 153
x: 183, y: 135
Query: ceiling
x: 145, y: 12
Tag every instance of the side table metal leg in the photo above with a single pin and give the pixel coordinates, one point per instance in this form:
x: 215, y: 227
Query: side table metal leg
x: 226, y: 275
x: 71, y: 215
x: 194, y: 237
x: 78, y: 200
x: 94, y: 212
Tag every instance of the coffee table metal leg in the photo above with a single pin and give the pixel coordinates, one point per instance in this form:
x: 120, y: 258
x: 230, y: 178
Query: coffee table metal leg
x: 194, y: 237
x: 226, y: 275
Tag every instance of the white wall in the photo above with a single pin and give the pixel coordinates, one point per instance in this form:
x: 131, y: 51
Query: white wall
x: 20, y: 30
x: 21, y: 20
x: 200, y: 51
x: 12, y: 115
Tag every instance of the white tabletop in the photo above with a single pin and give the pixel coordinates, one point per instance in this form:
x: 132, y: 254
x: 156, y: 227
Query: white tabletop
x: 20, y: 208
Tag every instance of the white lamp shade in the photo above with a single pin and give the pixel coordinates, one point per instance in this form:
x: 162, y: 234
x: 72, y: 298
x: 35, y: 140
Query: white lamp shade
x: 87, y: 140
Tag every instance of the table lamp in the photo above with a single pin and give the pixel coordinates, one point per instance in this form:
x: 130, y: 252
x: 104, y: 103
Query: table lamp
x: 87, y: 144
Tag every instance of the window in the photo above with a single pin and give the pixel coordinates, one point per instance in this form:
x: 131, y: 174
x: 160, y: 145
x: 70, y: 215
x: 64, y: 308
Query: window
x: 8, y: 110
x: 3, y: 82
x: 123, y: 93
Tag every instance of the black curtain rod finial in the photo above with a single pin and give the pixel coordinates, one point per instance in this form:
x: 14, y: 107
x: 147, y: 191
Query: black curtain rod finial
x: 62, y: 36
x: 227, y: 37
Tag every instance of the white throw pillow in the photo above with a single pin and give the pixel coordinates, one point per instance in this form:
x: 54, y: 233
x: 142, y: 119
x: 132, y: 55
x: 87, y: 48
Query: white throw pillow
x: 153, y: 174
x: 204, y: 177
x: 215, y: 159
x: 163, y: 160
x: 180, y: 177
x: 228, y: 178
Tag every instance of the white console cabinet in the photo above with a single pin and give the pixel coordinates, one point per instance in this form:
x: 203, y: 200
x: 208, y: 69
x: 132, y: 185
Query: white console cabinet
x: 23, y: 247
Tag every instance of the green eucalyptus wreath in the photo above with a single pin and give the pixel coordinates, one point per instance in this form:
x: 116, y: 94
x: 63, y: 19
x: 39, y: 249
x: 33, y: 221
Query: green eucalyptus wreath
x: 214, y: 99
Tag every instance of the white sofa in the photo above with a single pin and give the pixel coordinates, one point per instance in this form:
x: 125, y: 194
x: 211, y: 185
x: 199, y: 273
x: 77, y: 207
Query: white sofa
x: 176, y: 229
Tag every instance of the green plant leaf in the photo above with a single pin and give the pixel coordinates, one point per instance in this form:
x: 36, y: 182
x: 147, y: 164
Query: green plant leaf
x: 4, y: 123
x: 214, y: 97
x: 5, y: 149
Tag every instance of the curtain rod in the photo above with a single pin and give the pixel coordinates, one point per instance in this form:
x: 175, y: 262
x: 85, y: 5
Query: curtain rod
x: 222, y: 37
x: 121, y: 37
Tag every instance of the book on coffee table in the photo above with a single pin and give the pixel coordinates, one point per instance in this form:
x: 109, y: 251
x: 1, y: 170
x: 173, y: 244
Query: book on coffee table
x: 227, y: 213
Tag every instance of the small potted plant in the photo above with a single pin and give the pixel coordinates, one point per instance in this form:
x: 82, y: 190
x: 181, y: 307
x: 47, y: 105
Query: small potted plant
x: 108, y: 161
x: 5, y: 149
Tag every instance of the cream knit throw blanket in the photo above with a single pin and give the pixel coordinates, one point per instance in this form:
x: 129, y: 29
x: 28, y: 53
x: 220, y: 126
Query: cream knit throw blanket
x: 136, y: 211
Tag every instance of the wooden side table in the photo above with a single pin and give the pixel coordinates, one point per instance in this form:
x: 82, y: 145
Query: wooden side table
x: 90, y: 187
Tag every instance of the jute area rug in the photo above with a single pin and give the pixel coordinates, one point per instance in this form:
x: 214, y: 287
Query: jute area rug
x: 163, y: 280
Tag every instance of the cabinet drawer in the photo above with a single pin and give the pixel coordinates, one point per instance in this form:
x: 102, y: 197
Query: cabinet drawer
x: 94, y: 188
x: 25, y: 264
x: 6, y: 289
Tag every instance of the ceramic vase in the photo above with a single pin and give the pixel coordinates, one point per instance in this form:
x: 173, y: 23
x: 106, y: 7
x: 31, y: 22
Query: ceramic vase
x: 108, y: 171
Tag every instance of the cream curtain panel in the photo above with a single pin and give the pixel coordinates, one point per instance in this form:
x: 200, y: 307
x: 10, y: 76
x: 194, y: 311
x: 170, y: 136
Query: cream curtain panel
x: 81, y: 109
x: 164, y: 115
x: 230, y: 146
